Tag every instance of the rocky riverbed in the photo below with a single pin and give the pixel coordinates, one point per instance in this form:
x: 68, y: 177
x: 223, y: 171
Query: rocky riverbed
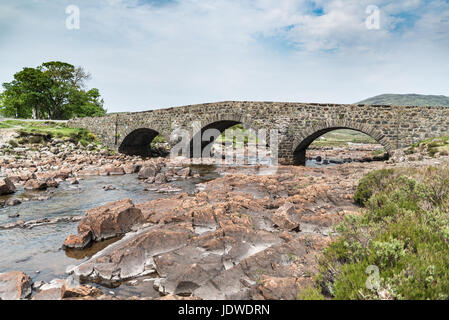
x: 137, y: 228
x: 352, y: 152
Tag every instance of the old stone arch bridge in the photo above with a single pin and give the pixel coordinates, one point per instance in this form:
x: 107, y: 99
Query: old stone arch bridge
x: 298, y: 124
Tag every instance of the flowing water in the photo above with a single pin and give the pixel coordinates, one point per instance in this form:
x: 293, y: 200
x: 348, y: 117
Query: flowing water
x: 38, y: 251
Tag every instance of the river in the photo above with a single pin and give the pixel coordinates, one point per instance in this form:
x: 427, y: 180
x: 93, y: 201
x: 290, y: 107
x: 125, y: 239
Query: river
x: 38, y: 251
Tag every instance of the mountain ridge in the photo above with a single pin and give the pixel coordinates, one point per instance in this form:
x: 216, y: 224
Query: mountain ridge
x: 412, y: 99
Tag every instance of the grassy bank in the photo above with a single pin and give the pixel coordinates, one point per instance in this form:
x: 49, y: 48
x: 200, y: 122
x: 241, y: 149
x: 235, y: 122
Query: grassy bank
x: 431, y: 147
x: 399, y: 247
x: 39, y: 132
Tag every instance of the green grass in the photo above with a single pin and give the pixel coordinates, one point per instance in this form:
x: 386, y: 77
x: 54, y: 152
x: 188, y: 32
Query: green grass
x: 379, y: 152
x: 157, y: 140
x: 342, y: 137
x: 310, y: 293
x: 239, y: 134
x: 431, y: 146
x: 4, y: 125
x: 37, y: 132
x: 403, y: 234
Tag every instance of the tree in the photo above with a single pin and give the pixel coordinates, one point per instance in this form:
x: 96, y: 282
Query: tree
x: 54, y: 90
x: 27, y: 95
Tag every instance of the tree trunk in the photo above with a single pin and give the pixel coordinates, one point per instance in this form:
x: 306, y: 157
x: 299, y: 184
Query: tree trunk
x: 36, y: 113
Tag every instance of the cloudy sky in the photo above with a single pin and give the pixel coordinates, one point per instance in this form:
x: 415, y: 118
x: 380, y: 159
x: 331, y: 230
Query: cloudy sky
x: 148, y: 54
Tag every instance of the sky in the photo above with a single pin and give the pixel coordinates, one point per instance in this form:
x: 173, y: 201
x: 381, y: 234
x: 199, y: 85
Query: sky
x: 149, y: 54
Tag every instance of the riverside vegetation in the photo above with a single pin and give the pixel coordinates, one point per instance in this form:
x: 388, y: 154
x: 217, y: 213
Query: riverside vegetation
x: 403, y: 231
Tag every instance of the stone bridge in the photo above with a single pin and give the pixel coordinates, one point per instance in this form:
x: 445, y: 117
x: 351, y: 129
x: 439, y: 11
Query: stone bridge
x: 298, y: 124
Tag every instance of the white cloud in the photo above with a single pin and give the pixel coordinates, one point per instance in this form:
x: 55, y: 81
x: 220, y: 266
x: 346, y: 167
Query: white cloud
x: 192, y: 51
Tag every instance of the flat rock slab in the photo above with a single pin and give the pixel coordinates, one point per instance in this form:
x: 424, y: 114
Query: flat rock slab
x: 132, y: 256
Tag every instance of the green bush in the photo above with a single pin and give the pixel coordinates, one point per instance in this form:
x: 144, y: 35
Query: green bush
x: 13, y: 143
x: 404, y: 233
x: 372, y: 182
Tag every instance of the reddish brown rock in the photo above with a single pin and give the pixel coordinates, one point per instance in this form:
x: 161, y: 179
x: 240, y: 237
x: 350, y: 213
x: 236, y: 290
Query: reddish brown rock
x: 184, y: 173
x: 105, y: 222
x: 6, y: 186
x: 36, y: 185
x: 131, y: 168
x: 79, y: 241
x: 147, y: 172
x: 89, y: 172
x: 281, y: 217
x: 52, y: 183
x: 110, y: 170
x: 116, y: 171
x: 63, y: 174
x: 160, y: 178
x: 48, y: 294
x: 14, y: 285
x: 80, y: 292
x: 276, y: 288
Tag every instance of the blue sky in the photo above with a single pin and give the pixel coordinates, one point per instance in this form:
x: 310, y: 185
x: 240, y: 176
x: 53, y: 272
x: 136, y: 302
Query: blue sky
x: 147, y: 54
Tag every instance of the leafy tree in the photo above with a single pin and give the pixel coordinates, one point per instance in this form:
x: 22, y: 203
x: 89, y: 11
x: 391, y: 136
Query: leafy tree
x: 54, y: 90
x: 27, y: 94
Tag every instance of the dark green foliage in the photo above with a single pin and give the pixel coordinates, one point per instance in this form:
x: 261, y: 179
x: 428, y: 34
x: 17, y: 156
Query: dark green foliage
x: 372, y: 182
x: 54, y: 90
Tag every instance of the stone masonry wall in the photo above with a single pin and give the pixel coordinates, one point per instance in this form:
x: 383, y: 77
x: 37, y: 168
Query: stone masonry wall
x: 297, y: 123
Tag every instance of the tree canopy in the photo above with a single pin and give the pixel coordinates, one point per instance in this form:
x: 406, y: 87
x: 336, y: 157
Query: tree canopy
x: 53, y: 90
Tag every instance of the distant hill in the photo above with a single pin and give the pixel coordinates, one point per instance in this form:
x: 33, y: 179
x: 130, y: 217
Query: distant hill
x: 407, y: 100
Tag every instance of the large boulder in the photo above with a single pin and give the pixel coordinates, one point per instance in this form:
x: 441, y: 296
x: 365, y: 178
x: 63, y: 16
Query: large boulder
x: 107, y: 221
x: 14, y: 285
x: 6, y: 186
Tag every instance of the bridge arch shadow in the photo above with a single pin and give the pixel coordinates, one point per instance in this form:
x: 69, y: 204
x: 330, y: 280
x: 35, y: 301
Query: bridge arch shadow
x: 137, y: 143
x: 220, y: 126
x: 305, y: 139
x: 215, y: 128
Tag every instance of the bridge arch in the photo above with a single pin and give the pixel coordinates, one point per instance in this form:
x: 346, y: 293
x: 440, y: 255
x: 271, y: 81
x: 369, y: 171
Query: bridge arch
x: 312, y: 132
x: 137, y: 142
x: 219, y: 122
